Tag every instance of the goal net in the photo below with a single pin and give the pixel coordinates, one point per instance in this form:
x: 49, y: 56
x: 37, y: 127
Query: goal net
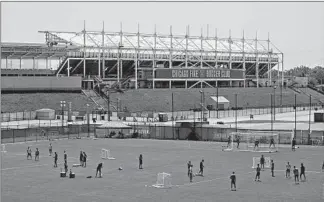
x: 3, y: 148
x: 256, y: 141
x: 163, y: 180
x: 105, y: 154
x: 256, y: 161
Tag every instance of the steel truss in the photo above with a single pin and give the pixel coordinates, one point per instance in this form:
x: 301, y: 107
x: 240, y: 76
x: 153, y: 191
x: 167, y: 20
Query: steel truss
x: 190, y: 51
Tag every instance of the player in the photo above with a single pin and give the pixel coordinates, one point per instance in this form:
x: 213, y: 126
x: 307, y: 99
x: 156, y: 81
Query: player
x: 296, y: 175
x: 272, y: 168
x: 66, y: 167
x: 36, y: 155
x: 302, y: 172
x: 201, y: 171
x: 81, y: 158
x: 288, y: 167
x: 190, y: 173
x: 29, y: 153
x: 233, y: 181
x: 84, y: 159
x: 293, y: 144
x: 140, y: 159
x: 55, y: 160
x: 262, y: 160
x: 272, y: 142
x: 256, y: 144
x: 323, y: 167
x: 189, y: 165
x: 229, y: 141
x: 99, y: 168
x: 50, y: 149
x: 65, y: 157
x: 238, y: 142
x: 257, y: 176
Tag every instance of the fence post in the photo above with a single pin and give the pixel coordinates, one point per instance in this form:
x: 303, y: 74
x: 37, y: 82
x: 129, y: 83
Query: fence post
x: 25, y: 135
x: 13, y: 136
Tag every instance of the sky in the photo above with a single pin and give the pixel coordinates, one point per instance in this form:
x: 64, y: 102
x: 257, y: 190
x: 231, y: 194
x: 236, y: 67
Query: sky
x: 296, y: 28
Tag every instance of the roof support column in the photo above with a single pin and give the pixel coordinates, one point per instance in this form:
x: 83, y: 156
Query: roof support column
x: 257, y: 60
x: 244, y: 63
x: 68, y: 67
x: 282, y: 69
x: 216, y: 60
x: 171, y: 48
x: 84, y: 50
x: 269, y: 61
x: 230, y: 48
x: 186, y: 51
x: 33, y: 63
x: 46, y: 63
x: 6, y: 62
x: 154, y: 59
x: 201, y: 49
x: 99, y: 60
x: 103, y: 50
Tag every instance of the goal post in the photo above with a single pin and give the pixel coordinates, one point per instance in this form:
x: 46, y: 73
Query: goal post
x: 254, y: 141
x: 256, y: 161
x: 163, y: 180
x: 105, y: 154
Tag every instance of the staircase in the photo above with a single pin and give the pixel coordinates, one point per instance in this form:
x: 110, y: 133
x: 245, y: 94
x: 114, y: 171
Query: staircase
x: 59, y: 69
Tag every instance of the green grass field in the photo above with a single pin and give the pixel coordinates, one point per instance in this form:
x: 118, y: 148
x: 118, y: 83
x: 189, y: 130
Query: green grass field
x: 30, y: 181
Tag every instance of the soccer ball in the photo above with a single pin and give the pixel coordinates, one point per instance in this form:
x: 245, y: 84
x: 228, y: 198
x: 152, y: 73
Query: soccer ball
x: 120, y: 168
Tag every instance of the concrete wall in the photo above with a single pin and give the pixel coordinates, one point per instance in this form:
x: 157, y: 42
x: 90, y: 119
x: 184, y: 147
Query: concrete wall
x: 40, y: 83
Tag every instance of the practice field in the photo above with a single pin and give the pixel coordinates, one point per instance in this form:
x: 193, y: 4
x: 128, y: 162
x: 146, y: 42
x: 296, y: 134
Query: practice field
x: 30, y: 181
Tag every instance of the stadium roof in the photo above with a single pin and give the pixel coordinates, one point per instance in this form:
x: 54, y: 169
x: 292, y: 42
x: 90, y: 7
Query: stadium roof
x: 16, y: 50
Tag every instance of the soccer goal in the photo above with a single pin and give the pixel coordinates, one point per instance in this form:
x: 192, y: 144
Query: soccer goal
x: 105, y: 154
x: 3, y: 148
x: 256, y: 161
x: 256, y: 141
x: 163, y: 180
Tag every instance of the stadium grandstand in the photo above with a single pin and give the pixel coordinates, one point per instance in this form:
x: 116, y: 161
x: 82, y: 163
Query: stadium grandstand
x: 147, y: 68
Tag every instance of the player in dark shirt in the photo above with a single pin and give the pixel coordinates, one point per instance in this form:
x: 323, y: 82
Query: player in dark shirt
x: 99, y: 168
x: 296, y: 174
x: 190, y: 173
x: 293, y: 145
x: 201, y: 171
x: 256, y: 144
x: 323, y: 167
x: 65, y: 157
x: 238, y: 142
x: 84, y: 159
x: 50, y: 149
x: 55, y: 159
x: 36, y: 155
x: 140, y: 159
x: 262, y: 161
x: 302, y: 172
x: 233, y: 181
x: 272, y: 168
x: 81, y: 158
x: 257, y: 176
x: 272, y: 142
x: 66, y: 167
x: 229, y: 140
x: 29, y: 153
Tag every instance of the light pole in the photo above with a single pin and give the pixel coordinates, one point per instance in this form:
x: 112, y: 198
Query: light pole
x: 295, y: 116
x: 217, y: 101
x: 201, y: 113
x: 274, y: 103
x: 88, y: 120
x: 271, y: 97
x: 236, y: 112
x: 62, y: 104
x: 172, y: 115
x: 309, y: 119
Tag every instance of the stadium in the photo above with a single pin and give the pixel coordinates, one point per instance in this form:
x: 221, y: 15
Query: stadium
x: 125, y: 89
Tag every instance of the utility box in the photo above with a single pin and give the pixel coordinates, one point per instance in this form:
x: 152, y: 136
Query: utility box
x: 318, y: 117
